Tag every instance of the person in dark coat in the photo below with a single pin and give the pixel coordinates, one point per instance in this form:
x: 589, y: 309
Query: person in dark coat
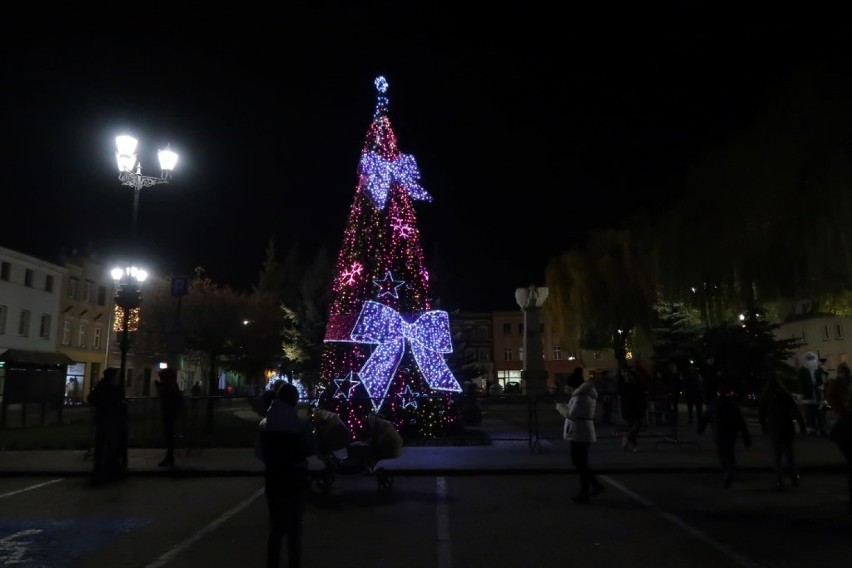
x: 631, y: 391
x: 841, y: 430
x: 693, y: 394
x: 284, y: 442
x: 108, y: 405
x: 171, y: 404
x: 727, y: 422
x: 777, y: 412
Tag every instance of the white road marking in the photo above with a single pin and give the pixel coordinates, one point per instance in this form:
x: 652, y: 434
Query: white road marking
x: 445, y: 553
x: 31, y: 487
x: 14, y: 548
x: 699, y: 534
x: 165, y: 558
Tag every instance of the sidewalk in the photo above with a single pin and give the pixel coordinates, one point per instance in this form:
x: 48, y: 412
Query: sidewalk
x: 509, y: 452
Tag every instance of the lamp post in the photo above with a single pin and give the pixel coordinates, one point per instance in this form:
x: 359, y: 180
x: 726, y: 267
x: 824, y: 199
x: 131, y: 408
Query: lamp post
x: 128, y: 296
x: 125, y: 157
x: 530, y: 300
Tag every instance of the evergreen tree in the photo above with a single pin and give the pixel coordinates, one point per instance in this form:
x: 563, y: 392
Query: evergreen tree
x: 384, y: 345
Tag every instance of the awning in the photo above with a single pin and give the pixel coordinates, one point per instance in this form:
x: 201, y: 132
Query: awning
x: 34, y: 357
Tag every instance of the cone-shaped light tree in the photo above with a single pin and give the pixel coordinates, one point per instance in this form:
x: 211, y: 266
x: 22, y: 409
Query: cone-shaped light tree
x: 385, y: 347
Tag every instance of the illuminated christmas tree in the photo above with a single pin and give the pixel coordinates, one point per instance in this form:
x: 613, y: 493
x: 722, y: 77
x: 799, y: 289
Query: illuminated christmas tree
x: 385, y: 347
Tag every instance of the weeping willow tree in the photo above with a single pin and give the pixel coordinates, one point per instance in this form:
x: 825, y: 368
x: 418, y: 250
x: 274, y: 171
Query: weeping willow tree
x: 601, y: 294
x: 765, y: 218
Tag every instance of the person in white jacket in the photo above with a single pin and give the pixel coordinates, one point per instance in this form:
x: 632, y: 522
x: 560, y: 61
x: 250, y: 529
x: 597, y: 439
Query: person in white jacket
x: 579, y: 429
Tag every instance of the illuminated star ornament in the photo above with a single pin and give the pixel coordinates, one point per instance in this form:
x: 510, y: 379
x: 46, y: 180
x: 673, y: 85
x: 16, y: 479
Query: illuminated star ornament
x: 340, y: 392
x: 388, y: 286
x: 409, y: 397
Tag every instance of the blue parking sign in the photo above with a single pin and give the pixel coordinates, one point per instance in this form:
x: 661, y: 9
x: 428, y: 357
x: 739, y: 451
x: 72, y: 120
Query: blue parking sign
x: 180, y: 286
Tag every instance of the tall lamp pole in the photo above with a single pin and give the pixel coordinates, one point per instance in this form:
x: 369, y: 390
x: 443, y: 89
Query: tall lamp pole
x: 130, y: 170
x: 128, y: 297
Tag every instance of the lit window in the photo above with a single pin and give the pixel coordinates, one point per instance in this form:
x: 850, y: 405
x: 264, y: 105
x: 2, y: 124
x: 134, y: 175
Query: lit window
x: 557, y: 353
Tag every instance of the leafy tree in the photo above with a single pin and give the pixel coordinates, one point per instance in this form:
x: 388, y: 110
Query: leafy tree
x: 601, y: 294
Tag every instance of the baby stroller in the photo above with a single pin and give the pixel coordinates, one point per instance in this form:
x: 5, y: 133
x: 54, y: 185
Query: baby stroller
x: 332, y: 436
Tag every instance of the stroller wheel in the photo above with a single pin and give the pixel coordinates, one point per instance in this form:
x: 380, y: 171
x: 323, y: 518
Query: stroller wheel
x: 321, y: 483
x: 385, y: 481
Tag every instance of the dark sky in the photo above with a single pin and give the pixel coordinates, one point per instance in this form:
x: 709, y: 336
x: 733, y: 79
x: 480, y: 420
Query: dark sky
x: 528, y: 132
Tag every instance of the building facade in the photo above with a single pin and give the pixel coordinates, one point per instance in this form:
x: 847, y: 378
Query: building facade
x: 31, y: 369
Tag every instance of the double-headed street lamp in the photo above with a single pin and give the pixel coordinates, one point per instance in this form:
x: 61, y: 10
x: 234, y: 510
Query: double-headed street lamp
x: 125, y: 157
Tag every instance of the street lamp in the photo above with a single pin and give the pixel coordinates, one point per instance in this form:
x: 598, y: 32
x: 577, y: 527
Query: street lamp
x: 125, y: 157
x: 128, y: 296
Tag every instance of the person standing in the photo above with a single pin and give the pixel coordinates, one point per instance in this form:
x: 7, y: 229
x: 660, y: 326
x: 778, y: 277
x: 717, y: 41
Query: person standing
x: 777, y: 413
x: 171, y: 404
x: 579, y: 429
x: 108, y: 404
x: 811, y: 378
x: 633, y: 406
x: 284, y: 442
x: 693, y: 394
x: 727, y: 422
x: 841, y: 430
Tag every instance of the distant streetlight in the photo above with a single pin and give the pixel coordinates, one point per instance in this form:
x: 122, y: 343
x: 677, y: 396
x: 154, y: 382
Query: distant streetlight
x: 128, y: 296
x: 125, y: 157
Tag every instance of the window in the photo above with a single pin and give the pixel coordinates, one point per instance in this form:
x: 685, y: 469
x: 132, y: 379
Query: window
x: 28, y: 277
x: 838, y: 331
x: 507, y: 354
x: 48, y: 283
x: 826, y: 333
x: 24, y: 323
x: 507, y: 329
x: 96, y: 340
x: 81, y: 335
x: 3, y: 311
x: 87, y: 291
x: 102, y: 295
x: 66, y: 332
x: 72, y: 287
x: 5, y: 270
x: 557, y: 353
x: 44, y: 328
x: 520, y: 353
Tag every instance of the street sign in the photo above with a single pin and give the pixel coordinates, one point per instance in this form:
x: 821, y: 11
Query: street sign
x: 180, y: 286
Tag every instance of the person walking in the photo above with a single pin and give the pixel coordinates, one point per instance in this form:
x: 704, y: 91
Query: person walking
x: 171, y: 404
x: 579, y: 429
x: 777, y: 413
x: 284, y: 442
x: 633, y: 406
x: 727, y: 422
x: 107, y: 403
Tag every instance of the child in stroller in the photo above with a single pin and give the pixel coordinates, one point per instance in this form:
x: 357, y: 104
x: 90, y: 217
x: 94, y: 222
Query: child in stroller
x: 332, y: 436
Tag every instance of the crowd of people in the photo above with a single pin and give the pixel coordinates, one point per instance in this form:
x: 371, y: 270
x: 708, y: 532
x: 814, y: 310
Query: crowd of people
x: 813, y: 403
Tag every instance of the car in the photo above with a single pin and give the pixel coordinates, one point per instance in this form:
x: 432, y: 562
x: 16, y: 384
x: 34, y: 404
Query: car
x: 512, y: 387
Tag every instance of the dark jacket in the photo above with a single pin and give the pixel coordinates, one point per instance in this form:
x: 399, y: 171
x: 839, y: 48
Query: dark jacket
x: 727, y: 422
x: 106, y: 400
x: 284, y: 440
x: 777, y: 411
x: 632, y: 394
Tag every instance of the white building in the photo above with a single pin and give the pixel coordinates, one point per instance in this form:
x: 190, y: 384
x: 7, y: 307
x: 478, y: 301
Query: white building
x: 825, y: 335
x: 31, y: 370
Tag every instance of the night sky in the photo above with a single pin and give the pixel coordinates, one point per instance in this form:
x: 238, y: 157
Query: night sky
x: 529, y: 131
